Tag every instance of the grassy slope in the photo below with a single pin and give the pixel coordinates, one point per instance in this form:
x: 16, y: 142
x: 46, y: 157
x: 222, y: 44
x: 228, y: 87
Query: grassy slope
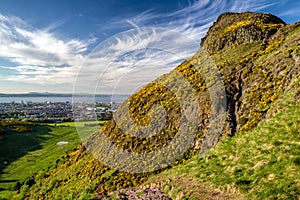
x: 263, y: 163
x: 31, y: 152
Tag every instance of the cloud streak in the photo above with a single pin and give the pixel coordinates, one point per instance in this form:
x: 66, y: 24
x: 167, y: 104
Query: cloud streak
x: 195, y: 19
x: 131, y: 59
x: 136, y: 65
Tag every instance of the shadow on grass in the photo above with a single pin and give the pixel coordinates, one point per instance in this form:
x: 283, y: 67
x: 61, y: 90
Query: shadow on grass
x: 17, y: 145
x: 8, y: 181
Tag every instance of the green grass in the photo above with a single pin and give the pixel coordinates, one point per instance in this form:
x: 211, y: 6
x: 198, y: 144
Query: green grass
x: 83, y: 128
x: 75, y: 177
x: 80, y: 123
x: 27, y: 153
x: 260, y: 164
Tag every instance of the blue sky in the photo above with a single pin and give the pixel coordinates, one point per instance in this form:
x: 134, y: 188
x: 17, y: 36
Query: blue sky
x: 45, y: 44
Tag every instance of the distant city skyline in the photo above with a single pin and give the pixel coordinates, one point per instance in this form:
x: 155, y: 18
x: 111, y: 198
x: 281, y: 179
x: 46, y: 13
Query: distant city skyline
x: 43, y: 44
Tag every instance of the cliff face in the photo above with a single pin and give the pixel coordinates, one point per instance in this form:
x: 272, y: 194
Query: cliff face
x: 257, y: 70
x: 236, y: 29
x: 258, y: 57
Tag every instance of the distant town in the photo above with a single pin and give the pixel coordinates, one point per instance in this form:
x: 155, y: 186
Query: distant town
x: 55, y: 112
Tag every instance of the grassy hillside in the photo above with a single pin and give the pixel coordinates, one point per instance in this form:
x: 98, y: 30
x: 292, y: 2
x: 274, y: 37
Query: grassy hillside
x: 24, y: 154
x: 258, y: 57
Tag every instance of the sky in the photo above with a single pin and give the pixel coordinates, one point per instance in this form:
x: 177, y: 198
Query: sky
x: 101, y: 46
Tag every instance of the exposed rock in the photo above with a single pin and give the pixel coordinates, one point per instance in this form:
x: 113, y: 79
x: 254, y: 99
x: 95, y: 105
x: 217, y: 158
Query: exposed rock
x: 240, y: 28
x: 135, y: 194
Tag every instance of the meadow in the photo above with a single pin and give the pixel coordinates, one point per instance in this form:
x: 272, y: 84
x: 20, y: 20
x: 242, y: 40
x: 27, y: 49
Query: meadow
x: 23, y: 155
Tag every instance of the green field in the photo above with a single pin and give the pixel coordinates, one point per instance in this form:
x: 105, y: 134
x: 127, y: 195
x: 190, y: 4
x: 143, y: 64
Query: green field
x: 23, y: 155
x: 80, y: 124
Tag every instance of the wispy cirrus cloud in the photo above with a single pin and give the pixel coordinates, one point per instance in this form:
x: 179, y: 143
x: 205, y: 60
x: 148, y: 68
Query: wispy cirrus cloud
x: 130, y: 62
x: 292, y: 11
x: 131, y: 59
x: 195, y: 19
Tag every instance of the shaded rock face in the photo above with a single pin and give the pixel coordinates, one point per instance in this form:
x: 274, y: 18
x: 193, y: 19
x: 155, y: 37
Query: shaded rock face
x: 257, y: 73
x: 240, y: 28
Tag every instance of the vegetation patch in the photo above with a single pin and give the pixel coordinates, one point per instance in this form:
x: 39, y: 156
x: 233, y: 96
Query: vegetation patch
x: 23, y: 155
x: 259, y: 164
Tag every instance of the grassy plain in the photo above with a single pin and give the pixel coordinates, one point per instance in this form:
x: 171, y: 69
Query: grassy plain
x: 23, y: 155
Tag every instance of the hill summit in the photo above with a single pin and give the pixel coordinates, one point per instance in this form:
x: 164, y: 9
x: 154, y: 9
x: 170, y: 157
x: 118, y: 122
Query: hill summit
x: 240, y: 28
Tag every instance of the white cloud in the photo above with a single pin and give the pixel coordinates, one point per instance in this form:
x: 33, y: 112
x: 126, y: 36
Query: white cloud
x: 38, y: 55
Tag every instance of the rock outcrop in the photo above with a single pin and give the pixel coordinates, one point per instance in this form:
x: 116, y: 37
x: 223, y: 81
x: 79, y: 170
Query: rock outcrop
x: 240, y: 28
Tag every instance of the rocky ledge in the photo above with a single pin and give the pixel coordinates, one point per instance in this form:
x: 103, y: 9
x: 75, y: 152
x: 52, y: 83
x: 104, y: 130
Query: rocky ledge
x: 135, y: 194
x: 240, y: 28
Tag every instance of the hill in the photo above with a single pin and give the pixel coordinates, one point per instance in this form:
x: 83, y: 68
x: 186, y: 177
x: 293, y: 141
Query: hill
x: 257, y: 57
